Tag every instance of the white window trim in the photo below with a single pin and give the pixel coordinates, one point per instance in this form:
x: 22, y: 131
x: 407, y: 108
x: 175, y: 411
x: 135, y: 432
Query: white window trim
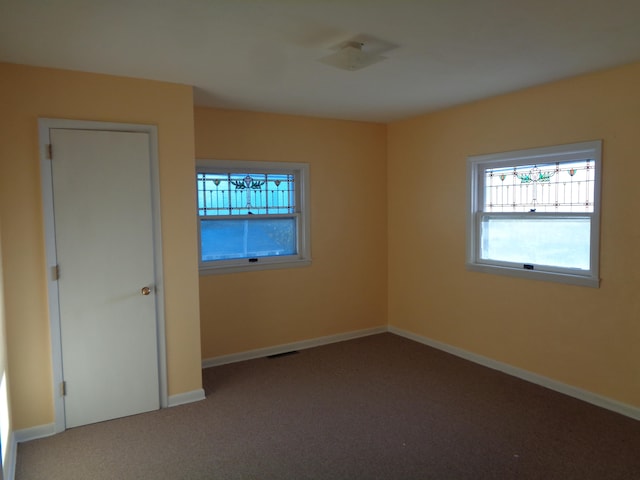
x: 301, y: 172
x: 475, y: 188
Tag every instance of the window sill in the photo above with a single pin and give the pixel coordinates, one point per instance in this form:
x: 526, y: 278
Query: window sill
x: 252, y: 267
x: 565, y: 278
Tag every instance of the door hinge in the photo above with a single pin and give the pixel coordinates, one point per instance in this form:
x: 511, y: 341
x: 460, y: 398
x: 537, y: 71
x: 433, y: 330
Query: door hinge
x: 49, y: 152
x: 55, y: 272
x: 63, y: 388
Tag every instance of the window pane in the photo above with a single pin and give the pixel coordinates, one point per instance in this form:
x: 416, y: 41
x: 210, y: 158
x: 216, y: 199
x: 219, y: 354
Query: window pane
x: 244, y: 193
x: 247, y: 238
x: 562, y: 242
x: 557, y: 187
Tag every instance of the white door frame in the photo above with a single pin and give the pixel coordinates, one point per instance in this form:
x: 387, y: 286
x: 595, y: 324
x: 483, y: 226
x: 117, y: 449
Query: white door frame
x: 44, y: 125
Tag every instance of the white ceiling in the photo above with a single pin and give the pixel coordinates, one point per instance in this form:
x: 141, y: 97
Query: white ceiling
x: 261, y: 55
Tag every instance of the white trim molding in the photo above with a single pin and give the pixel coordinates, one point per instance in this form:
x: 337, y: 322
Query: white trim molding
x: 11, y: 457
x: 20, y: 436
x: 186, y: 397
x: 34, y: 433
x: 575, y: 392
x: 288, y: 347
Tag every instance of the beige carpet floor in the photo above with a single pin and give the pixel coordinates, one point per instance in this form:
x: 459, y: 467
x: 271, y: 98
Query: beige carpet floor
x: 379, y: 407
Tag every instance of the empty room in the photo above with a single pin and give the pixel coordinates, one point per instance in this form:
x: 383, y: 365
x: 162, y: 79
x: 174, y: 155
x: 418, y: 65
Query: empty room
x: 370, y: 240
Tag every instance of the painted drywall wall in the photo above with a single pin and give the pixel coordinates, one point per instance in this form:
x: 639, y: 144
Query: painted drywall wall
x: 27, y: 93
x: 584, y: 337
x: 345, y: 287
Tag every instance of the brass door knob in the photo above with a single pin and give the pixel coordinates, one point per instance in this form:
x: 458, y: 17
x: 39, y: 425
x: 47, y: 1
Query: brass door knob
x: 145, y: 290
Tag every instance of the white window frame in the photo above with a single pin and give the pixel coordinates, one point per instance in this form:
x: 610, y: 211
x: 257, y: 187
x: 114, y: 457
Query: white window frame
x: 477, y: 164
x: 300, y: 171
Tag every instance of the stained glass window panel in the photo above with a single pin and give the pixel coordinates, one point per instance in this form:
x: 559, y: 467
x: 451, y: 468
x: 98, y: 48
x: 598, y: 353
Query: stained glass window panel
x: 245, y: 193
x: 558, y: 187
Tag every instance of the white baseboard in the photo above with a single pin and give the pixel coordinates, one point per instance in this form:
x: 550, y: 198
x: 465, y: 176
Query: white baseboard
x: 288, y: 347
x: 19, y: 436
x: 187, y: 397
x: 33, y: 433
x: 584, y: 395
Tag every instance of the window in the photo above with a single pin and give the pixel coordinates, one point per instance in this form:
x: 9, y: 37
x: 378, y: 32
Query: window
x: 252, y: 215
x: 536, y: 213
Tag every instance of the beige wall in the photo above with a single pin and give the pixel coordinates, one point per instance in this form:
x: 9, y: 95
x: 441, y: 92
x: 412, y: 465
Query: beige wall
x: 581, y: 336
x: 414, y: 170
x: 345, y: 287
x: 27, y: 93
